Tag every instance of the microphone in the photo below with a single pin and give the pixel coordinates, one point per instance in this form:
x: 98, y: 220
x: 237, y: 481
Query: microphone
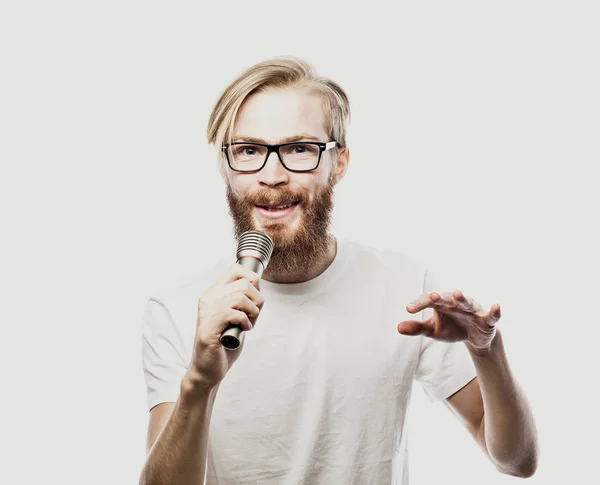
x: 253, y: 252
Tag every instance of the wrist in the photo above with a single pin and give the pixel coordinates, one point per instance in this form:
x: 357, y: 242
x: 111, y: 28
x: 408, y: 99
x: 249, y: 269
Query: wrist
x: 194, y: 388
x: 486, y: 351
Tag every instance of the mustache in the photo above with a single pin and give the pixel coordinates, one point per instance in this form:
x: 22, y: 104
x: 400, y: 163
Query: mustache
x: 275, y: 197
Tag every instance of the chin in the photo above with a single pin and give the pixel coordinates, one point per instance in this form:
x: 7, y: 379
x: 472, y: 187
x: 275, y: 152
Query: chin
x: 282, y: 233
x: 288, y: 224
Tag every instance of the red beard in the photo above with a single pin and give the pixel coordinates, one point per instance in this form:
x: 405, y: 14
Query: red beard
x: 294, y: 250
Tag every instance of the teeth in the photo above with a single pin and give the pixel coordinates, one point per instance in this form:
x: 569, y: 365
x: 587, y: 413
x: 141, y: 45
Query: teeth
x: 278, y: 207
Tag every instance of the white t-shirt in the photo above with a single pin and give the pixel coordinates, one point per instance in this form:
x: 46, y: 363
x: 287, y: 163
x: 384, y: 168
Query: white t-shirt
x: 320, y: 391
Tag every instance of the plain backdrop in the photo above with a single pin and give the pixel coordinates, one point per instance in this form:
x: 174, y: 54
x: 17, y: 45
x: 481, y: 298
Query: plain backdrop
x: 474, y: 147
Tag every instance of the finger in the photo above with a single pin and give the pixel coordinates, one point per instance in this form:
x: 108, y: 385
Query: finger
x: 245, y: 286
x: 421, y: 302
x: 237, y: 317
x: 240, y: 301
x: 465, y: 303
x: 494, y: 315
x: 236, y: 272
x: 438, y: 300
x: 414, y: 327
x: 445, y: 301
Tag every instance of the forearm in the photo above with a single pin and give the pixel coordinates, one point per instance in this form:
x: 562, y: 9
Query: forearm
x: 508, y: 428
x: 179, y: 453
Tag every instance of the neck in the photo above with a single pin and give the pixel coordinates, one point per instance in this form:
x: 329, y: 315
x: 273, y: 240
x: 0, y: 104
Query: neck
x: 306, y: 274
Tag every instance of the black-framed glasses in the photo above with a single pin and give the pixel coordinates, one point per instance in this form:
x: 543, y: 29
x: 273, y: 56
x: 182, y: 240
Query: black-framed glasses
x: 297, y: 156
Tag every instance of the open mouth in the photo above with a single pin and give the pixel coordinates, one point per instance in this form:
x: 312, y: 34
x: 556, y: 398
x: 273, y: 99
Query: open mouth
x: 277, y: 207
x: 277, y: 211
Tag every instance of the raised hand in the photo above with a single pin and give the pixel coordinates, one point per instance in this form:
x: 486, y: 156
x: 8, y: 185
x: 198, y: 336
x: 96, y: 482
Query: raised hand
x: 455, y: 318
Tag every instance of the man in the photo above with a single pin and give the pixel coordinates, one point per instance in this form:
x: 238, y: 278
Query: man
x: 321, y: 389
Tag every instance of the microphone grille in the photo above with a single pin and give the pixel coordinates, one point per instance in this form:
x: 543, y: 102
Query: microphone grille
x: 255, y: 244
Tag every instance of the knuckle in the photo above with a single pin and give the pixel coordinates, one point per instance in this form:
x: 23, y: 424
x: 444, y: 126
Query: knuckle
x: 240, y: 317
x: 221, y: 315
x: 228, y: 316
x: 252, y: 278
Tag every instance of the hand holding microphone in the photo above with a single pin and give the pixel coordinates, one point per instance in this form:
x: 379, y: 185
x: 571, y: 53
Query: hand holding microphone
x: 228, y: 308
x: 254, y: 252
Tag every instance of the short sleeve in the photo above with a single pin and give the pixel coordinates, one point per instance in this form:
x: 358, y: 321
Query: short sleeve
x: 443, y: 368
x: 163, y: 356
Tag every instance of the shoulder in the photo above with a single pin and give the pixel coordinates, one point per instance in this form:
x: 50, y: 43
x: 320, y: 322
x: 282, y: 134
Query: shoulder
x: 171, y: 310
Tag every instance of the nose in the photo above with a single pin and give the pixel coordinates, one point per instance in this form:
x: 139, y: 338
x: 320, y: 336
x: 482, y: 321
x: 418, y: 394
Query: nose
x: 273, y: 173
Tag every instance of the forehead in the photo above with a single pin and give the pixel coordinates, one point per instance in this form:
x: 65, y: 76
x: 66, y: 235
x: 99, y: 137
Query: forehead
x: 279, y: 113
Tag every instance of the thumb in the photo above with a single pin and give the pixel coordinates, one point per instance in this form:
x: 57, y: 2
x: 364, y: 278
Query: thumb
x: 414, y: 327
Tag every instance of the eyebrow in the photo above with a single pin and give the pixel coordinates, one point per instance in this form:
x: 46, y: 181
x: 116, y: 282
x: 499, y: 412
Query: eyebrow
x: 289, y: 139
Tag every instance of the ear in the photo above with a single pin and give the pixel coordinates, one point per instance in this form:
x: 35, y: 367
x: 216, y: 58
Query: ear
x: 341, y: 165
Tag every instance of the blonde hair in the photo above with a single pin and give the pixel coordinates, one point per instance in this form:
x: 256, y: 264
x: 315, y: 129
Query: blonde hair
x: 278, y: 72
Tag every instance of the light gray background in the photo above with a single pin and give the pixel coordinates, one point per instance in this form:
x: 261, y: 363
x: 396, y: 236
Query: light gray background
x: 474, y: 142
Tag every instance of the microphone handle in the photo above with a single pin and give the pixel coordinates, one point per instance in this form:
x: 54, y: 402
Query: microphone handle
x: 233, y: 335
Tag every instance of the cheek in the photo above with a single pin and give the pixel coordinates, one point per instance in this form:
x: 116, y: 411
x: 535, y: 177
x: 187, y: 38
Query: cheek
x: 317, y: 186
x: 240, y: 185
x: 313, y: 184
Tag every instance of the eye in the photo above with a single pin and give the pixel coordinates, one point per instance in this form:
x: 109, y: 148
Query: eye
x: 301, y: 149
x: 246, y: 150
